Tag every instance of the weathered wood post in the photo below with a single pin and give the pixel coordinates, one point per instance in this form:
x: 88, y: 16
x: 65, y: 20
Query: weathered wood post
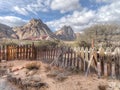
x: 109, y: 59
x: 5, y: 52
x: 105, y: 70
x: 99, y: 69
x: 78, y: 61
x: 101, y: 56
x: 86, y: 58
x: 65, y: 58
x: 83, y: 59
x: 1, y: 52
x: 113, y: 70
x: 71, y: 57
x: 117, y: 62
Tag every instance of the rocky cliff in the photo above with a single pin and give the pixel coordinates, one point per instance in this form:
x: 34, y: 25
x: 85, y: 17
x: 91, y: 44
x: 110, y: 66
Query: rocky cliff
x: 34, y: 29
x: 66, y: 33
x: 6, y: 32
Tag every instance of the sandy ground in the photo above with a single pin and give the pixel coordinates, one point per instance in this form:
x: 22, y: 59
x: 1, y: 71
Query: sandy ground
x: 72, y: 82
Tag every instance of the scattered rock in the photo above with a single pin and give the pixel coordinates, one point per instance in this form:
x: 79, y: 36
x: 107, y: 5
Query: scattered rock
x: 36, y: 78
x: 113, y: 85
x: 61, y: 77
x: 2, y: 72
x: 16, y: 73
x: 53, y: 73
x: 31, y: 81
x: 3, y: 61
x: 32, y: 72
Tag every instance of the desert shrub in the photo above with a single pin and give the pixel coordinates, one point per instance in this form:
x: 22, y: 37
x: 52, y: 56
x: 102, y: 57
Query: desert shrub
x: 81, y: 44
x: 75, y: 70
x: 48, y: 44
x: 33, y: 65
x: 102, y: 87
x: 47, y: 68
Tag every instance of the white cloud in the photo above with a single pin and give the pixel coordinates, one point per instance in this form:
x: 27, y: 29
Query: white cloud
x: 24, y: 7
x: 109, y: 13
x: 76, y: 20
x: 104, y: 1
x: 22, y: 11
x: 40, y: 5
x: 12, y: 21
x: 80, y: 19
x: 65, y: 5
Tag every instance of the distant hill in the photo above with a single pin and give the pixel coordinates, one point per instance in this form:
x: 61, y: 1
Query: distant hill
x: 35, y: 29
x: 6, y: 32
x: 66, y: 33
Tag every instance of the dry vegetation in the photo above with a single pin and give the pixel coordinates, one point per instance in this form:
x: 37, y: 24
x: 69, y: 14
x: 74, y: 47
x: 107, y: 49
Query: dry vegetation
x: 108, y: 34
x: 54, y: 78
x: 33, y: 66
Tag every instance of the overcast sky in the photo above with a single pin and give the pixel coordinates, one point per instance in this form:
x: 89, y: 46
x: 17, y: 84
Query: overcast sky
x: 56, y: 13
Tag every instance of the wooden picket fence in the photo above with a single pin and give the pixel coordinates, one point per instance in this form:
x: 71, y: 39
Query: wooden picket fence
x: 17, y: 52
x: 104, y: 62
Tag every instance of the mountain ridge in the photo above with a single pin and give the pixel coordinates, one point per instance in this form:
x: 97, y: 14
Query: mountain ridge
x: 66, y: 33
x: 35, y: 28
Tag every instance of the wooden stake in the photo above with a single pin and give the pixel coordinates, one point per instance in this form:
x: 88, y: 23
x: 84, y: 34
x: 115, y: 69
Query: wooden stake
x: 113, y: 70
x: 99, y: 69
x: 89, y: 65
x: 105, y: 70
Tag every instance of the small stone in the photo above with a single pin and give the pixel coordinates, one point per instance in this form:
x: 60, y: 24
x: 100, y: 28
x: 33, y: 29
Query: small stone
x: 36, y: 78
x: 118, y: 85
x: 78, y: 83
x: 116, y: 88
x: 61, y: 77
x: 112, y: 84
x: 32, y: 72
x: 16, y: 73
x: 53, y: 73
x: 3, y: 61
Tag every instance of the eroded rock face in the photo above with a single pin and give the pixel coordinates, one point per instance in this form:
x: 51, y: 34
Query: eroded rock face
x: 34, y: 29
x: 66, y: 33
x: 6, y: 32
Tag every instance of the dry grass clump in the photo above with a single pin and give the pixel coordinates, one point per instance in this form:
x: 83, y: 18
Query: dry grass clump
x: 33, y: 66
x: 102, y: 87
x: 75, y: 70
x: 47, y: 68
